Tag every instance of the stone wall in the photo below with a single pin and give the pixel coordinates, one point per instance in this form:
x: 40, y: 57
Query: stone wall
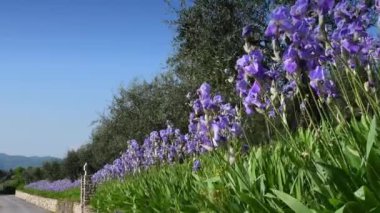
x: 77, y: 208
x: 45, y: 203
x: 49, y: 204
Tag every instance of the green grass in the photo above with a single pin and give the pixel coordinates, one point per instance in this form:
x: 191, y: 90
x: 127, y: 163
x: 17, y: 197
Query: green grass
x: 68, y: 195
x: 323, y: 170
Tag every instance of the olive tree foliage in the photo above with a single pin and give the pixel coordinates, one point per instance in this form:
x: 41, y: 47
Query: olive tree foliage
x: 72, y: 166
x: 32, y: 174
x: 135, y: 112
x: 52, y: 170
x: 208, y: 39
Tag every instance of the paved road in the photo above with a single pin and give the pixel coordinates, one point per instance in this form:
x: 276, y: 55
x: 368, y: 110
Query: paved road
x: 11, y: 204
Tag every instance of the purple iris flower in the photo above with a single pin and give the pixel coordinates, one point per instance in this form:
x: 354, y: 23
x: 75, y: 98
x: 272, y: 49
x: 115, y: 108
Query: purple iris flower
x: 204, y: 90
x: 279, y: 22
x: 290, y: 60
x: 253, y: 97
x: 197, y: 107
x: 299, y: 9
x: 133, y: 144
x: 325, y: 6
x: 236, y: 129
x: 172, y: 153
x: 253, y: 93
x: 290, y: 88
x: 242, y: 88
x: 321, y: 85
x: 301, y: 32
x: 248, y: 108
x: 247, y: 30
x: 272, y: 113
x: 218, y: 99
x: 350, y: 46
x: 256, y: 55
x: 154, y: 136
x: 223, y: 121
x: 343, y: 11
x: 319, y: 74
x: 216, y: 134
x: 243, y: 61
x: 256, y: 88
x: 290, y: 65
x: 250, y: 65
x: 255, y: 69
x: 196, y: 165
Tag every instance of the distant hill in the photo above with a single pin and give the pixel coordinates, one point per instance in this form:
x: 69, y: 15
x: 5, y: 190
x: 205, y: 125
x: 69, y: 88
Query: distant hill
x: 12, y: 161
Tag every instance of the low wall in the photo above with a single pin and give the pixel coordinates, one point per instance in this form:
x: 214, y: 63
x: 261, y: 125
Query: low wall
x: 49, y: 204
x: 45, y: 203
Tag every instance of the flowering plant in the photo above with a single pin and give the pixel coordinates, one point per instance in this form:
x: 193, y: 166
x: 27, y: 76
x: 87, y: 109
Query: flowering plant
x: 310, y: 41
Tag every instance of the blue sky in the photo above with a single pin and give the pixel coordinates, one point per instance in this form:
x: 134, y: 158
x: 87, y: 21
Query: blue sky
x: 62, y: 60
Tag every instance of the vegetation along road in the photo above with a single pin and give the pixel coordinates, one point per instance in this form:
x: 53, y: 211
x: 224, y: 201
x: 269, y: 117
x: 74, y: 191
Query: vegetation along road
x: 11, y: 204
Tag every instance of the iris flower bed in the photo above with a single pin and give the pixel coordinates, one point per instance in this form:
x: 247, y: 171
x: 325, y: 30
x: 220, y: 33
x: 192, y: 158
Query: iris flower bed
x: 323, y: 170
x: 321, y: 66
x: 55, y: 186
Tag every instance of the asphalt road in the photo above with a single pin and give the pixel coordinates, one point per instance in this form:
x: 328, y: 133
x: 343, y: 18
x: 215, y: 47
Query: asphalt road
x: 11, y: 204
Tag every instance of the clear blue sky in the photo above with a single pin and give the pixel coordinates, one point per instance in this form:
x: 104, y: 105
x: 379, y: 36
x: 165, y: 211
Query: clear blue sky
x: 62, y: 60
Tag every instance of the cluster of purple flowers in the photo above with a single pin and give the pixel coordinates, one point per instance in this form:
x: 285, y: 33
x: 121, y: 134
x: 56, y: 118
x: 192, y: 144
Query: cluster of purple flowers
x: 252, y: 79
x: 350, y: 39
x: 56, y: 186
x: 160, y: 147
x: 308, y: 39
x: 211, y: 124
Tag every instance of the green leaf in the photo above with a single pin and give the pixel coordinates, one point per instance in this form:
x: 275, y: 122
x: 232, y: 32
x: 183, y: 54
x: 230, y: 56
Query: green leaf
x: 293, y: 203
x: 360, y: 193
x: 340, y: 210
x: 353, y: 157
x: 197, y: 178
x: 341, y: 180
x: 353, y: 207
x: 214, y: 179
x: 370, y: 200
x: 373, y: 172
x: 371, y: 137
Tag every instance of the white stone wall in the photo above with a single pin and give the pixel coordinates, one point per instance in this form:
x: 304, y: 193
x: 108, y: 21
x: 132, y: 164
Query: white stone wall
x: 46, y: 203
x: 77, y: 208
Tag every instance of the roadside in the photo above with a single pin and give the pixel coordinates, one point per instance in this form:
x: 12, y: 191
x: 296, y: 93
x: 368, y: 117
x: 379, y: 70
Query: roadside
x: 11, y: 204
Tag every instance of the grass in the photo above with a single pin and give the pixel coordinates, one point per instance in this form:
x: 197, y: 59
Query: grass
x: 68, y: 195
x: 332, y: 164
x: 325, y: 170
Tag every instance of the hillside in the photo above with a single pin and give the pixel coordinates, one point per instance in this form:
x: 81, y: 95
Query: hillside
x: 9, y: 161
